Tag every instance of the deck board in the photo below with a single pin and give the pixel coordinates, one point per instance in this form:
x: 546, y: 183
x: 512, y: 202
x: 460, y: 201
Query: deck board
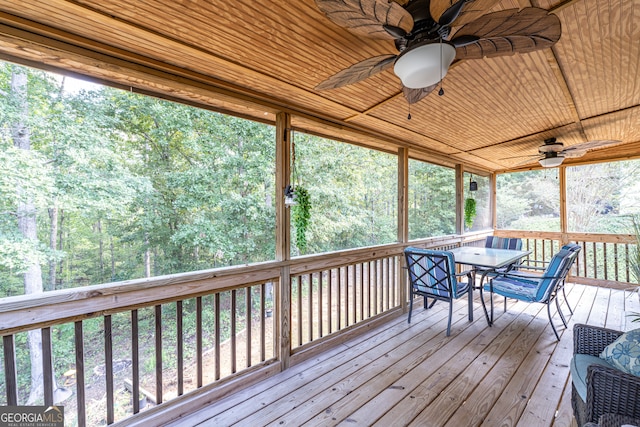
x: 512, y: 374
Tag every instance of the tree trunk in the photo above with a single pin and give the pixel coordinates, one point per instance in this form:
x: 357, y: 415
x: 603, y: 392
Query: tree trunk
x: 26, y: 213
x: 53, y: 244
x: 60, y: 276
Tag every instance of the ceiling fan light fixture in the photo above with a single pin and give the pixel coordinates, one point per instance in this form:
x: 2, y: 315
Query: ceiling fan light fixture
x: 551, y: 161
x: 425, y: 65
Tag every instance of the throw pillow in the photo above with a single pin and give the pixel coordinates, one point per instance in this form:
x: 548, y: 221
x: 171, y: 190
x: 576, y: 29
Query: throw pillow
x: 624, y: 353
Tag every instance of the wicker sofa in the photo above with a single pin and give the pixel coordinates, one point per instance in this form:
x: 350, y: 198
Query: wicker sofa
x: 608, y: 390
x: 612, y: 420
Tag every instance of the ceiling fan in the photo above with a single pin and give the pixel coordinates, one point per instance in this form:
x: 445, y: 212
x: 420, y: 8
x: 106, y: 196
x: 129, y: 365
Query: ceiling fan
x: 422, y: 31
x: 552, y: 153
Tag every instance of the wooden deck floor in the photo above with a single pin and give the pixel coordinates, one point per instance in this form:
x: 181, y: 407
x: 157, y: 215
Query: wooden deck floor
x: 512, y: 374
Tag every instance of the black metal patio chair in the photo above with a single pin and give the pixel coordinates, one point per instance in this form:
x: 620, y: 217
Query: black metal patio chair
x: 432, y: 274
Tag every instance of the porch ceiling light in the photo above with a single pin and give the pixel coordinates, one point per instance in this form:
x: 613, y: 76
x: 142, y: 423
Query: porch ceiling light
x: 425, y: 65
x: 551, y: 160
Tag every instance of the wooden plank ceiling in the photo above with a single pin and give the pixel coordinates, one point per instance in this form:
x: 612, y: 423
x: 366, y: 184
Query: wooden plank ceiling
x: 257, y: 57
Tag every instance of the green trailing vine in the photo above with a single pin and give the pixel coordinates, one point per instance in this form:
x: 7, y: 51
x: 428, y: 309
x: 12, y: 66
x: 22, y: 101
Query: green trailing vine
x: 300, y: 215
x: 469, y: 212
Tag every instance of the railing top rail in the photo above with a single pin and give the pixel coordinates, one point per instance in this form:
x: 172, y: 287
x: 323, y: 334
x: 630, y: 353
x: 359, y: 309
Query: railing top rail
x: 577, y: 237
x: 45, y: 309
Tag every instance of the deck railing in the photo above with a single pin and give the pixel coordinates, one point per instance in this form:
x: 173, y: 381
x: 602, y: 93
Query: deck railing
x: 605, y: 259
x: 163, y: 340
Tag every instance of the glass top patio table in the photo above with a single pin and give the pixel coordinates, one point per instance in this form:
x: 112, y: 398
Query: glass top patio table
x: 486, y: 257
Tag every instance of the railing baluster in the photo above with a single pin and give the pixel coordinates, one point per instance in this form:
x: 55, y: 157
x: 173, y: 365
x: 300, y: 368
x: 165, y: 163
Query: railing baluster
x: 396, y: 282
x: 595, y: 260
x: 135, y: 361
x: 338, y: 298
x: 247, y: 322
x: 263, y: 322
x: 108, y: 360
x: 329, y: 299
x: 216, y: 303
x: 158, y: 350
x: 626, y: 256
x: 361, y: 286
x: 180, y: 347
x: 375, y: 286
x: 606, y: 264
x: 199, y: 364
x: 354, y: 300
x: 233, y: 331
x: 299, y: 305
x: 584, y: 258
x: 384, y: 264
x: 47, y: 366
x: 369, y: 290
x: 310, y: 305
x: 347, y: 295
x: 615, y: 258
x: 80, y: 395
x: 320, y: 306
x: 10, y: 371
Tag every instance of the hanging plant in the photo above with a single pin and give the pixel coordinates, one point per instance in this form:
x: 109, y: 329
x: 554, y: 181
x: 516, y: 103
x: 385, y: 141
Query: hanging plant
x: 300, y: 215
x: 469, y: 212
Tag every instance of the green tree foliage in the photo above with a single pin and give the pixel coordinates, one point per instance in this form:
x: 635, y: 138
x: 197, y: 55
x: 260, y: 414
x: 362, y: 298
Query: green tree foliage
x: 432, y: 200
x: 529, y: 200
x: 132, y: 186
x: 352, y: 191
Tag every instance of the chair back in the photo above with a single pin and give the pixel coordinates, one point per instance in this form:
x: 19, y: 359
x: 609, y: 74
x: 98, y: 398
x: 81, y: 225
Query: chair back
x: 503, y: 243
x: 557, y: 270
x: 432, y: 272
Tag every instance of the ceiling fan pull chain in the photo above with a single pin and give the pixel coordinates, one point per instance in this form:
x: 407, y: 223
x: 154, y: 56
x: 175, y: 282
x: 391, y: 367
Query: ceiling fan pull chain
x: 409, y: 115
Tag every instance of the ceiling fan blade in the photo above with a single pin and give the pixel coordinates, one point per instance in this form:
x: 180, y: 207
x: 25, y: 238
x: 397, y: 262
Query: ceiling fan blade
x: 358, y: 72
x: 452, y: 13
x: 574, y: 154
x: 367, y: 17
x: 415, y: 95
x: 471, y: 10
x: 584, y: 146
x: 509, y: 31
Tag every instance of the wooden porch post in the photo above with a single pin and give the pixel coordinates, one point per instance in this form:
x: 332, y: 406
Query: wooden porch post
x: 403, y: 221
x: 494, y: 200
x: 564, y: 239
x: 283, y: 239
x: 459, y: 199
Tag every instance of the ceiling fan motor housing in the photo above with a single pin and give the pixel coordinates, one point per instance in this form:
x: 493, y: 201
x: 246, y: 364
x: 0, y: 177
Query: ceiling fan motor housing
x: 551, y: 146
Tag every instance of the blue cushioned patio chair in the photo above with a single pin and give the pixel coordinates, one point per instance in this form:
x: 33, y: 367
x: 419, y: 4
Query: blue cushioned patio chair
x: 535, y: 288
x: 541, y: 266
x: 432, y: 274
x: 495, y: 242
x: 514, y: 243
x: 503, y: 243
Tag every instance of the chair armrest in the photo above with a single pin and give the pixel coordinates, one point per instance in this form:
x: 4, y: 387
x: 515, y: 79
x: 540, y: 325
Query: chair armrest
x: 467, y: 273
x: 615, y: 420
x: 610, y: 391
x: 524, y: 276
x: 592, y: 339
x: 531, y: 267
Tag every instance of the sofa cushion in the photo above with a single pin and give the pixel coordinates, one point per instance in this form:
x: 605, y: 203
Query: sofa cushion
x: 579, y: 365
x: 624, y: 353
